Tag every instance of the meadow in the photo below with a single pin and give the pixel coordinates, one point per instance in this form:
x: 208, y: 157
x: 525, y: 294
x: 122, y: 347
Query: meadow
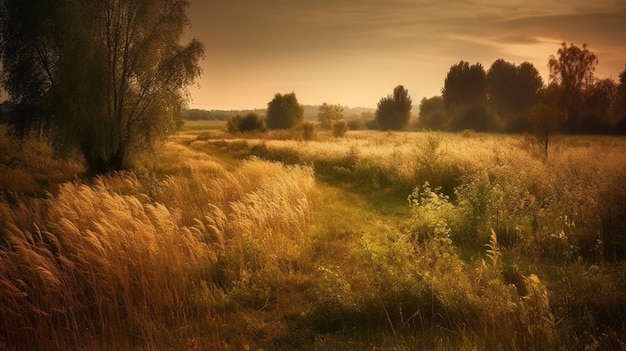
x: 375, y: 241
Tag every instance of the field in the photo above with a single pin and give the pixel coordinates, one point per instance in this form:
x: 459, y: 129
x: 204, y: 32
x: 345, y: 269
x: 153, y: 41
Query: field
x: 375, y: 241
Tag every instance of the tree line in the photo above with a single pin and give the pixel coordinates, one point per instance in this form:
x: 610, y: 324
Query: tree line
x: 503, y: 98
x: 507, y: 98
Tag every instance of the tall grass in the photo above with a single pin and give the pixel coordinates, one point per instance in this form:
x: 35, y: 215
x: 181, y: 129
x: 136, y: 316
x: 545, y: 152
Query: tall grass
x: 567, y: 205
x: 30, y: 166
x: 564, y: 212
x: 132, y: 260
x: 496, y: 249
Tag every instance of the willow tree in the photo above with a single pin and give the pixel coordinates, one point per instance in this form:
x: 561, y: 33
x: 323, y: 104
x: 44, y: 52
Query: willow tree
x: 105, y: 77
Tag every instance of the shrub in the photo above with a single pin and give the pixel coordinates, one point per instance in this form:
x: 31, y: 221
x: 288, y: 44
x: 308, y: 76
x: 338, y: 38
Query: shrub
x: 356, y: 124
x: 339, y: 128
x: 250, y: 122
x: 308, y: 130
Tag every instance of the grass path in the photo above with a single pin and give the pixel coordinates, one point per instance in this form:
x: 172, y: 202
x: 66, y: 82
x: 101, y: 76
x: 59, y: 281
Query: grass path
x: 342, y: 204
x: 344, y: 213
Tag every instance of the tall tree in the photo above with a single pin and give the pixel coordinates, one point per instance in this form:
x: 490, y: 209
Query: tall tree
x: 572, y: 69
x: 107, y: 78
x: 529, y: 86
x: 465, y: 97
x: 394, y: 111
x: 512, y: 91
x: 284, y: 112
x: 502, y: 88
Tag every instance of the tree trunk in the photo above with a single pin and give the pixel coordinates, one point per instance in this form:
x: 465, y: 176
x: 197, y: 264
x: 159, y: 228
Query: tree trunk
x: 114, y: 161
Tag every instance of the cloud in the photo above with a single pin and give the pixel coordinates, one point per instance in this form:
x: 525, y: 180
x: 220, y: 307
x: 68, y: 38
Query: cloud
x: 375, y: 42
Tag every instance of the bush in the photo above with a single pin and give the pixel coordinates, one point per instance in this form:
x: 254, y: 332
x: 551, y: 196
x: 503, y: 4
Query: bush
x: 250, y: 122
x: 339, y: 128
x: 356, y: 124
x: 308, y: 130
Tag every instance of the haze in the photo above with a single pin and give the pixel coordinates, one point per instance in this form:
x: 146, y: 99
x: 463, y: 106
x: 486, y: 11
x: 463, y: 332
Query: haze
x: 353, y: 52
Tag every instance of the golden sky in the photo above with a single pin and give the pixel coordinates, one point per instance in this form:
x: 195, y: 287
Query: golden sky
x: 353, y: 52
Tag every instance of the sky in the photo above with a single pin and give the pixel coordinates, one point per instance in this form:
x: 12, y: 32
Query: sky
x: 354, y: 52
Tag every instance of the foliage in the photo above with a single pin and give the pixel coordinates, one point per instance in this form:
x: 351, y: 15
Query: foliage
x: 617, y: 108
x: 69, y: 75
x: 394, y: 111
x: 545, y: 121
x: 432, y: 113
x: 432, y: 214
x: 284, y: 112
x: 329, y: 114
x: 512, y: 90
x: 465, y: 97
x: 308, y: 130
x: 250, y: 122
x: 339, y: 128
x: 572, y: 69
x: 595, y: 108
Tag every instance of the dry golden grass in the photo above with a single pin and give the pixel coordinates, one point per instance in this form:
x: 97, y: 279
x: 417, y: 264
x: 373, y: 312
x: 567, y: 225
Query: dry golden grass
x: 125, y: 258
x: 191, y: 252
x: 29, y: 165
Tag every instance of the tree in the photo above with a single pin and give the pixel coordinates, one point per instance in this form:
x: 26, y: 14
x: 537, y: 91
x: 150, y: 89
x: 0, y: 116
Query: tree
x: 545, y: 120
x: 512, y: 90
x: 594, y: 110
x: 617, y: 109
x: 328, y: 114
x: 545, y: 117
x: 572, y: 69
x: 394, y: 111
x: 465, y: 97
x: 106, y: 78
x: 284, y: 112
x: 530, y: 84
x: 502, y: 87
x: 432, y: 113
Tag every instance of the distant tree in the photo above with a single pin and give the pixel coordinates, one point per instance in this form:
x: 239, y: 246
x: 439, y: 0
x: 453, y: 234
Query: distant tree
x: 530, y: 84
x: 617, y: 109
x: 595, y: 108
x: 572, y: 69
x: 284, y: 112
x: 432, y: 113
x: 465, y: 97
x: 502, y: 88
x: 394, y: 111
x: 356, y: 124
x: 107, y: 79
x: 250, y: 122
x: 546, y: 118
x: 512, y: 90
x: 328, y: 114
